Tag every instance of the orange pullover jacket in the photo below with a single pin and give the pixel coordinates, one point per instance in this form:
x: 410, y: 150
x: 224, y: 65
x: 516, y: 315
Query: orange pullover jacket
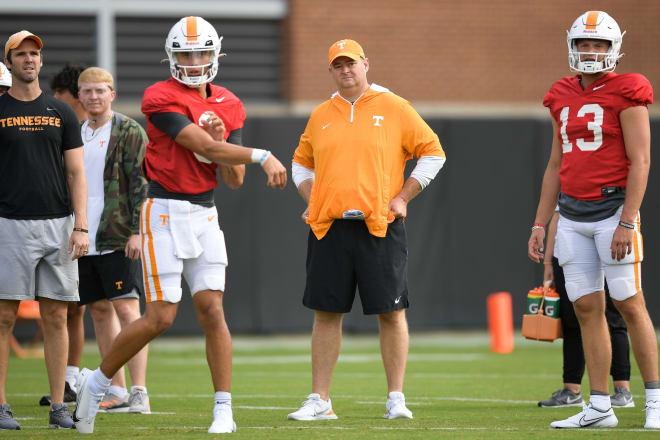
x: 358, y: 153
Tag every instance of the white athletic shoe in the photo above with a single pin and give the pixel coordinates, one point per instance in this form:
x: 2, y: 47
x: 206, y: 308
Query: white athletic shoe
x: 87, y: 404
x: 314, y: 408
x: 395, y: 408
x: 223, y: 419
x: 652, y: 414
x: 138, y: 402
x: 590, y: 417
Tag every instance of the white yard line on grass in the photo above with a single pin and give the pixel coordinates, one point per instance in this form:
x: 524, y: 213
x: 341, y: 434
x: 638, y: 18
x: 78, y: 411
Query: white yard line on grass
x: 459, y: 338
x: 380, y: 402
x: 503, y: 428
x: 344, y: 358
x: 294, y: 426
x: 264, y: 407
x: 359, y: 399
x: 298, y: 427
x: 408, y: 375
x: 182, y: 428
x: 450, y: 399
x: 337, y: 396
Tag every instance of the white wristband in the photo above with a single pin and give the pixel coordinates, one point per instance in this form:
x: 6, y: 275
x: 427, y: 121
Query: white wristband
x: 263, y: 158
x: 258, y: 155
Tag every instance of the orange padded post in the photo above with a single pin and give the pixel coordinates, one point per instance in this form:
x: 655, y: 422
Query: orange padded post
x: 28, y: 310
x: 500, y: 322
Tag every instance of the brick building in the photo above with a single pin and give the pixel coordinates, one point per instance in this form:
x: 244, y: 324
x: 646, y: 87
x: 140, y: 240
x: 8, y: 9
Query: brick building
x: 454, y: 52
x: 449, y: 57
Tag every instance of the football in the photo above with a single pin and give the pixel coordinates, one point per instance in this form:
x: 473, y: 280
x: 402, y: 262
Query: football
x: 199, y: 157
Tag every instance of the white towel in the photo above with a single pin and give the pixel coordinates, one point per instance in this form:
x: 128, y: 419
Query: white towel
x: 186, y: 244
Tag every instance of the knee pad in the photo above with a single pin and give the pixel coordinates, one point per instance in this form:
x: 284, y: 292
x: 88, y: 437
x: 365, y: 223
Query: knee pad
x: 621, y: 288
x: 623, y: 280
x: 580, y: 283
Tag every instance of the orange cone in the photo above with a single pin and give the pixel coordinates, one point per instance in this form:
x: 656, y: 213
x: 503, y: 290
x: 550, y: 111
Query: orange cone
x: 500, y: 322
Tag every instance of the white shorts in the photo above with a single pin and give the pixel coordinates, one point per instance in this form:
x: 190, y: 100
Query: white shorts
x: 585, y: 255
x: 179, y: 237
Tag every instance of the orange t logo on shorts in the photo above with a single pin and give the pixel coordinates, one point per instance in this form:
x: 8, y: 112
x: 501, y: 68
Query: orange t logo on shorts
x: 119, y: 283
x: 164, y: 218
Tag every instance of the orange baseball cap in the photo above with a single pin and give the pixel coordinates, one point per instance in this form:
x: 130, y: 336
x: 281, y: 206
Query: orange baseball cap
x: 345, y: 48
x: 15, y: 40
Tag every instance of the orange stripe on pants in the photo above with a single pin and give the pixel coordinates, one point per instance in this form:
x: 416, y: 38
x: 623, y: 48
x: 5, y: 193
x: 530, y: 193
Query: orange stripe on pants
x: 638, y: 257
x: 143, y: 234
x: 152, y: 254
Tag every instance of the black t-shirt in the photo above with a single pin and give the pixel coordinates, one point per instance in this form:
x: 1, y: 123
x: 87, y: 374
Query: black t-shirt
x: 33, y: 138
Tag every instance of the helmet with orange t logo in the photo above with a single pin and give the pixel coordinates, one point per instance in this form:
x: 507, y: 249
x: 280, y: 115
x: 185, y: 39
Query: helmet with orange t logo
x: 594, y: 25
x: 193, y: 35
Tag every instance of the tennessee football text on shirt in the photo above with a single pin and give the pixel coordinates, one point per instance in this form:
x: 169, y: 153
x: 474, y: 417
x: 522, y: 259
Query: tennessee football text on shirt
x: 30, y: 123
x: 594, y: 155
x: 174, y: 167
x: 34, y: 136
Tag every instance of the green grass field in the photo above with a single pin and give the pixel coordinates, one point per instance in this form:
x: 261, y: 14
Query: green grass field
x: 455, y: 387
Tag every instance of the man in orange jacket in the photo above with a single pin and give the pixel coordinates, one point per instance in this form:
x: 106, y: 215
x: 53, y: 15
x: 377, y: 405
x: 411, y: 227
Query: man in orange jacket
x: 349, y: 167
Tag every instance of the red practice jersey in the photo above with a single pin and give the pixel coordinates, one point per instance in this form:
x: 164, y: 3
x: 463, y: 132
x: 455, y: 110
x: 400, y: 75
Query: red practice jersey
x: 594, y: 154
x: 174, y: 167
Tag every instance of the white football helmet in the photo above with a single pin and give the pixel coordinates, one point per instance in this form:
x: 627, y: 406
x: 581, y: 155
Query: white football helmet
x: 596, y: 25
x: 193, y: 34
x: 5, y: 76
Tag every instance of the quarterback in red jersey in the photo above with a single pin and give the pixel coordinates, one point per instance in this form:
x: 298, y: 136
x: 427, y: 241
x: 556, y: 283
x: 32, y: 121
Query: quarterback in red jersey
x: 194, y: 127
x: 178, y: 169
x: 598, y: 171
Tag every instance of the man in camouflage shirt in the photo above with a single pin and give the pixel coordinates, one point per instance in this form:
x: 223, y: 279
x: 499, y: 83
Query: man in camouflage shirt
x: 110, y: 275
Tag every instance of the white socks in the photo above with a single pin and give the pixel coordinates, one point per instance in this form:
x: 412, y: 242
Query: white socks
x: 601, y: 403
x: 120, y: 392
x: 395, y: 395
x: 222, y: 397
x: 98, y: 383
x: 71, y: 375
x: 138, y: 387
x: 653, y: 394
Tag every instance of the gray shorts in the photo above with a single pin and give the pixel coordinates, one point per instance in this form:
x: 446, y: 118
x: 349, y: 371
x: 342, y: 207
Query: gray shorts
x: 34, y: 260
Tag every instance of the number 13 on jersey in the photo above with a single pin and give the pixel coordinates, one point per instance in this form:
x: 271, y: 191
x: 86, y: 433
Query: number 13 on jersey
x: 595, y: 126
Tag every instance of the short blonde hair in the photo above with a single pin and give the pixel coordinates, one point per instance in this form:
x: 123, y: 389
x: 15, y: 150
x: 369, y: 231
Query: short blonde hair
x: 96, y: 74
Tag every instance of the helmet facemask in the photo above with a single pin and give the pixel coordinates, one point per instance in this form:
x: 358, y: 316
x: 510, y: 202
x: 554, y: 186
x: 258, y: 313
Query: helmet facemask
x: 604, y: 61
x: 180, y: 72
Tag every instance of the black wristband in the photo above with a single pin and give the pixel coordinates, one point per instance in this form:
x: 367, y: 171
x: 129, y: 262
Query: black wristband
x: 80, y: 230
x: 626, y: 225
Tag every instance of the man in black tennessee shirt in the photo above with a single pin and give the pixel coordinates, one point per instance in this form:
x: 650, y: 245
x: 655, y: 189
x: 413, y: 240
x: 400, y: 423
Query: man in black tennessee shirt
x: 42, y: 180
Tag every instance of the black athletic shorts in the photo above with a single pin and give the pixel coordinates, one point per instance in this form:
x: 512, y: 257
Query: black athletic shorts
x: 108, y: 276
x: 349, y: 257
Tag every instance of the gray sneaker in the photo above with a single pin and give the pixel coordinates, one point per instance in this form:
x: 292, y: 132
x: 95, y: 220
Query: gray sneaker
x: 7, y: 418
x: 138, y: 402
x: 59, y: 417
x: 113, y: 404
x: 562, y: 398
x: 622, y: 398
x: 69, y: 396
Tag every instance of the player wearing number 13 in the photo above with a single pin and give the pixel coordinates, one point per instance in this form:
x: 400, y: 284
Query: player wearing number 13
x: 599, y: 168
